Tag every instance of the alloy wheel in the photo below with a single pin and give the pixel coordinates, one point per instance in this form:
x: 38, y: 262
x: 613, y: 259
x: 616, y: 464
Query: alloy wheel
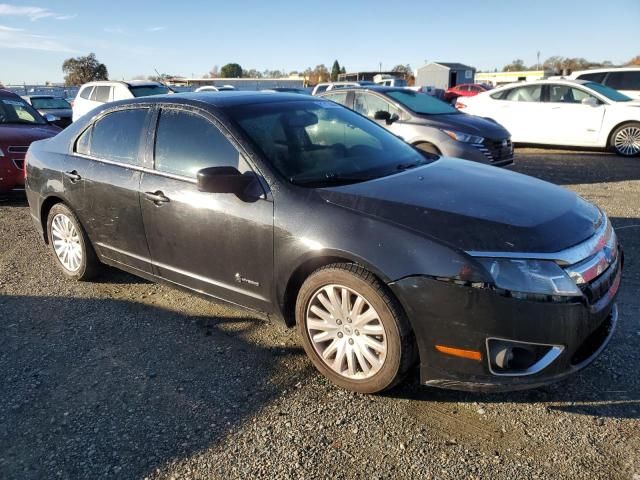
x: 346, y: 332
x: 627, y: 140
x: 66, y: 242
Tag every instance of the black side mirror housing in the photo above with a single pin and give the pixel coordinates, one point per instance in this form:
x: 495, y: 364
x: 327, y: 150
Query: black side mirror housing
x: 223, y: 180
x: 386, y: 116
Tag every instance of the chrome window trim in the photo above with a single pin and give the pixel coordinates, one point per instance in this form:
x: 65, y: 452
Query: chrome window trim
x: 569, y: 256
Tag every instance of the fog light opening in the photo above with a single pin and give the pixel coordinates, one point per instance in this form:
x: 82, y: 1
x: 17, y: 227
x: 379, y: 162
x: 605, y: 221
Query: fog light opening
x: 514, y: 358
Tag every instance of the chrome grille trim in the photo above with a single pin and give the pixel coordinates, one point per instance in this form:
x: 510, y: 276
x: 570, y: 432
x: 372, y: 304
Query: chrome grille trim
x: 18, y: 149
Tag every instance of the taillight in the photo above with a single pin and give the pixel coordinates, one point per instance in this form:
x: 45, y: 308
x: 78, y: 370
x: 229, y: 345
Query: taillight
x: 24, y: 165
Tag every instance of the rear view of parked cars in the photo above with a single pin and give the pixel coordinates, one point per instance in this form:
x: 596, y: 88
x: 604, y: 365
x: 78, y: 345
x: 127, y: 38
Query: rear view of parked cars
x: 571, y: 113
x: 429, y: 124
x: 56, y: 106
x: 20, y: 124
x: 94, y: 94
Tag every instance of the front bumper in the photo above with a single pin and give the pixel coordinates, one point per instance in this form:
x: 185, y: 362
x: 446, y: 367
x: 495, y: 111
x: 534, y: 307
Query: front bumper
x: 488, y: 152
x: 447, y: 314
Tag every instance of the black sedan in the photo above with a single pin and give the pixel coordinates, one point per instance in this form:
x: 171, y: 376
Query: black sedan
x: 379, y: 253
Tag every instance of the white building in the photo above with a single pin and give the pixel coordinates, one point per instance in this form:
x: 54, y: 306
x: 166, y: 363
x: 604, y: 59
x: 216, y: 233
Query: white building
x: 502, y: 78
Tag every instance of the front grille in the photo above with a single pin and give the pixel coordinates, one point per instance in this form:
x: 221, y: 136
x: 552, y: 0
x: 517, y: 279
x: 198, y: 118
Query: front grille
x: 593, y: 342
x: 18, y: 149
x: 19, y: 164
x: 496, y: 150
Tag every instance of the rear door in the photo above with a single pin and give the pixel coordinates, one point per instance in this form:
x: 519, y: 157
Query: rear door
x: 521, y: 111
x: 215, y: 243
x: 101, y: 179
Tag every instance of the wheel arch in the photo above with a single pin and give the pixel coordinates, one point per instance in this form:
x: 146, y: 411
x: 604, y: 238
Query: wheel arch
x: 615, y: 127
x: 309, y: 265
x: 45, y: 208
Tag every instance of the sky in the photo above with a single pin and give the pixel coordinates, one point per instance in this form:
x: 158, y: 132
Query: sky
x: 188, y: 38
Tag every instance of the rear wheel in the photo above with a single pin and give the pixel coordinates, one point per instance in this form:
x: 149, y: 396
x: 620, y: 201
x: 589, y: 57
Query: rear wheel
x: 70, y: 245
x: 625, y: 140
x: 353, y: 329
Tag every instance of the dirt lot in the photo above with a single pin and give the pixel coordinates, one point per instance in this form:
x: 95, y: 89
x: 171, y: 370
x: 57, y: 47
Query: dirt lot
x: 122, y: 378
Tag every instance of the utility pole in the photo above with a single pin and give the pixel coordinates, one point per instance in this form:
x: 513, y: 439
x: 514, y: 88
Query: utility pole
x: 538, y: 59
x: 380, y: 67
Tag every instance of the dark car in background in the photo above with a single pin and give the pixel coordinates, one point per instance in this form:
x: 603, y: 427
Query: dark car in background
x: 20, y: 124
x: 381, y: 254
x: 56, y: 106
x: 430, y: 124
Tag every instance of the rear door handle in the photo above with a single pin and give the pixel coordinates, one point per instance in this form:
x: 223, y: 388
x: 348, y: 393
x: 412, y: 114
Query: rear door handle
x: 73, y: 176
x: 156, y: 197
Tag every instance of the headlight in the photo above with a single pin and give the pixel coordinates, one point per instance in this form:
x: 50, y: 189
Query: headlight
x: 530, y: 276
x: 463, y: 137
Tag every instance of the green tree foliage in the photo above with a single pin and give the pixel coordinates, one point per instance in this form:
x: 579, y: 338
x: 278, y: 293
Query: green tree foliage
x: 231, y: 70
x: 335, y: 71
x: 343, y: 69
x: 516, y: 66
x: 81, y: 70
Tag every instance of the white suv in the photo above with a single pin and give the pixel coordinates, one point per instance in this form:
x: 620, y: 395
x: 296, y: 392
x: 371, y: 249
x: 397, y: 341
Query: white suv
x: 626, y: 80
x: 93, y: 94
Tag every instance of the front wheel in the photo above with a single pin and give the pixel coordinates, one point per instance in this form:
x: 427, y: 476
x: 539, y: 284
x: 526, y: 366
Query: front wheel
x: 625, y: 140
x: 70, y: 245
x: 353, y: 330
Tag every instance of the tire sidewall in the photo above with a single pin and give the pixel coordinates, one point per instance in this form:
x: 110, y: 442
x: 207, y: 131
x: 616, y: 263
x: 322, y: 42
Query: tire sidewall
x: 61, y: 208
x: 387, y: 375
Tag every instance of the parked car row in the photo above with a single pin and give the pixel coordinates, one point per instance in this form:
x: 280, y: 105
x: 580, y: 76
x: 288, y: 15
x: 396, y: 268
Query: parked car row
x: 381, y: 255
x: 571, y: 113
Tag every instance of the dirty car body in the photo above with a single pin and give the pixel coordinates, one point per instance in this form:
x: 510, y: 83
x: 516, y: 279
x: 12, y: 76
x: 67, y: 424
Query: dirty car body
x: 519, y: 272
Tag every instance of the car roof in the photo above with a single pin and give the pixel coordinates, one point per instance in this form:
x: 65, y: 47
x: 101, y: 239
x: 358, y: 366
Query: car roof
x: 225, y: 98
x: 129, y: 83
x: 610, y: 69
x: 374, y: 88
x: 568, y: 81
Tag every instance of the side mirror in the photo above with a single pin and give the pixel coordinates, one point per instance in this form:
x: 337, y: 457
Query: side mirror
x: 223, y: 180
x: 590, y: 101
x: 386, y: 116
x: 50, y: 118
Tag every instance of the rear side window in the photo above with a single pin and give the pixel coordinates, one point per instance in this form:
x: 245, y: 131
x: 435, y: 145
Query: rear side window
x: 624, y: 80
x: 84, y: 141
x: 101, y: 94
x: 597, y: 77
x: 117, y: 135
x: 338, y: 97
x: 187, y: 142
x: 86, y: 92
x: 530, y: 93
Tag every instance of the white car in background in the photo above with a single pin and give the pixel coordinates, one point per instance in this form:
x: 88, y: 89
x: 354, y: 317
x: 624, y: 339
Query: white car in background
x: 328, y: 86
x: 93, y: 94
x: 624, y: 79
x: 570, y: 113
x: 214, y: 88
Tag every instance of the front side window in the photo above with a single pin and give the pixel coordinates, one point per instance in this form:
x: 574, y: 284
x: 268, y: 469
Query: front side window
x: 17, y: 111
x: 368, y: 104
x: 187, y: 142
x: 116, y: 136
x: 318, y: 143
x: 624, y: 80
x: 567, y: 94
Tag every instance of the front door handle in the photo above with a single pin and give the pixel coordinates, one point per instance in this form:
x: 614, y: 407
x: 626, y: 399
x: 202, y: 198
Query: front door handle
x: 73, y: 176
x: 156, y: 197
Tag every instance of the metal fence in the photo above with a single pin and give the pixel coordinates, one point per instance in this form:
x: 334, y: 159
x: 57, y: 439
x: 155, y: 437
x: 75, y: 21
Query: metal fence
x: 62, y: 92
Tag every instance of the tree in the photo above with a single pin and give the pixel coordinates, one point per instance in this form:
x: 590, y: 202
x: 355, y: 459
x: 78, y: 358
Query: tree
x: 343, y: 70
x: 516, y: 66
x: 319, y: 74
x: 404, y: 69
x: 253, y: 73
x: 231, y: 70
x: 81, y: 70
x: 335, y: 71
x: 634, y: 61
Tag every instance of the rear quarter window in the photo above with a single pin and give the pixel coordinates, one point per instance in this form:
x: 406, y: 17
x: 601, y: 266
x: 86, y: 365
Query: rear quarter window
x: 86, y: 92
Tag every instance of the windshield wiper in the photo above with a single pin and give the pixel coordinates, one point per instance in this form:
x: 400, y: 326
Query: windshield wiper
x: 407, y: 166
x: 331, y: 178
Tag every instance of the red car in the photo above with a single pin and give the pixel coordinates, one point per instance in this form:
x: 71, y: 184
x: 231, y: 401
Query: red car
x: 464, y: 90
x: 20, y: 124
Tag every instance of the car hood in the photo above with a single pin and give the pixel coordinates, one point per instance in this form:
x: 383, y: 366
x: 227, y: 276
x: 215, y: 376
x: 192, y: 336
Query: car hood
x: 21, y: 135
x: 464, y: 123
x: 474, y: 207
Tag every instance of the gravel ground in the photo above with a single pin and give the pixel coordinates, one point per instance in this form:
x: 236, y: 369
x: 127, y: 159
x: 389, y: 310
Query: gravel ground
x: 122, y: 378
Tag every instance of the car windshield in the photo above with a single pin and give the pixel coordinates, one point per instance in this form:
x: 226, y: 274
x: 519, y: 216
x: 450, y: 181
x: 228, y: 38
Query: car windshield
x: 17, y: 111
x: 421, y: 102
x: 608, y: 92
x: 49, y: 102
x: 320, y: 143
x: 148, y: 90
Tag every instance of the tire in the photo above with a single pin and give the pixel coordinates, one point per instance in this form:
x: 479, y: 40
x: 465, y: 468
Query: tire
x: 428, y: 147
x: 625, y: 140
x: 70, y: 245
x: 376, y: 350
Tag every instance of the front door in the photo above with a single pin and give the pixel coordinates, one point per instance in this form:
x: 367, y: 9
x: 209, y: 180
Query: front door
x: 368, y: 104
x: 215, y: 243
